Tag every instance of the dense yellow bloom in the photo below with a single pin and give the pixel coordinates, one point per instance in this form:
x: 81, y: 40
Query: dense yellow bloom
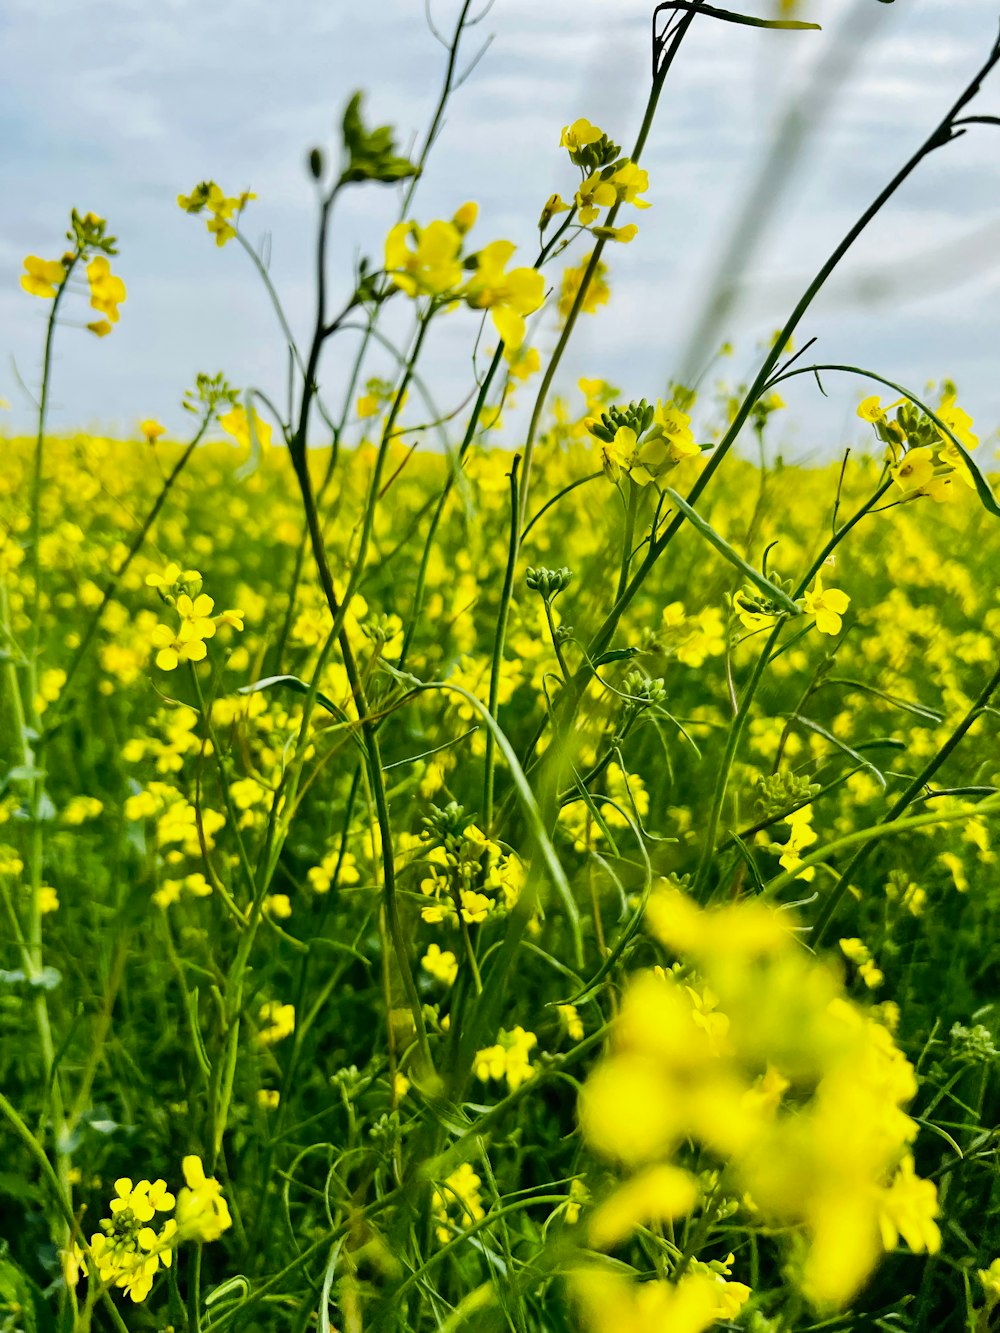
x: 43, y: 276
x: 825, y: 1163
x: 508, y: 1059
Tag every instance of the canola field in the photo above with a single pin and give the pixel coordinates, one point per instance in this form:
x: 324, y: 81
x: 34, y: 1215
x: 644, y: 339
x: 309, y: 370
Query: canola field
x: 451, y: 888
x: 435, y: 1083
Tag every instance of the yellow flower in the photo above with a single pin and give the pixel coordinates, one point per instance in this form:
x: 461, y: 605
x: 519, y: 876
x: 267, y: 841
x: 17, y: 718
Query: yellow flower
x: 579, y: 135
x: 908, y: 1209
x: 611, y: 1303
x: 594, y: 194
x: 914, y: 470
x: 196, y: 615
x: 598, y: 292
x: 990, y: 1279
x: 509, y: 296
x: 280, y: 1019
x: 202, y: 1213
x: 871, y: 409
x: 424, y: 260
x: 48, y: 900
x: 107, y: 291
x: 152, y: 430
x: 657, y: 1194
x: 43, y: 276
x: 441, y: 964
x: 628, y: 181
x: 553, y: 205
x: 236, y: 424
x: 176, y: 648
x: 827, y: 605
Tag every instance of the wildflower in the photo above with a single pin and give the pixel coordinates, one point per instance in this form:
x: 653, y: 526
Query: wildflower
x: 610, y: 1303
x: 280, y: 1020
x: 658, y: 1194
x: 598, y: 292
x: 594, y: 194
x: 457, y: 1202
x: 908, y: 1209
x: 107, y: 292
x: 621, y: 234
x: 914, y: 470
x: 152, y: 430
x: 871, y: 409
x: 507, y: 1059
x: 174, y: 648
x: 990, y: 1280
x: 508, y: 296
x: 553, y: 205
x: 43, y: 276
x: 202, y: 1213
x: 441, y: 964
x: 236, y: 424
x: 827, y: 605
x: 48, y: 900
x: 196, y: 615
x: 171, y: 576
x: 579, y: 135
x: 424, y: 261
x: 570, y: 1019
x: 278, y: 906
x: 268, y: 1099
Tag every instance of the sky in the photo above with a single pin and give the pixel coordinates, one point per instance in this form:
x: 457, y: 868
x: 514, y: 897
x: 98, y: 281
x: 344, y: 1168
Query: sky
x: 119, y: 105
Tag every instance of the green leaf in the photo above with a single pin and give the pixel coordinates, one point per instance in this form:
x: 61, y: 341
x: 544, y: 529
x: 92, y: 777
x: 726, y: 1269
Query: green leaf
x: 299, y: 687
x: 770, y: 590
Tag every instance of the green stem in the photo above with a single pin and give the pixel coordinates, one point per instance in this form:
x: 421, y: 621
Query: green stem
x: 827, y: 911
x: 498, y: 645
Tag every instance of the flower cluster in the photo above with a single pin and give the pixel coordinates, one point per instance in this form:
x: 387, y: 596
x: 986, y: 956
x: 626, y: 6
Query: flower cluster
x: 181, y: 589
x: 923, y: 460
x: 428, y: 261
x: 469, y: 876
x: 128, y: 1251
x: 643, y: 442
x: 507, y: 1059
x: 607, y: 179
x: 46, y: 277
x: 799, y: 1094
x: 222, y: 211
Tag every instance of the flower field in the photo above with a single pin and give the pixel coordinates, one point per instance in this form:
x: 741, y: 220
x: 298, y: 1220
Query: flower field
x: 758, y: 1113
x: 469, y: 872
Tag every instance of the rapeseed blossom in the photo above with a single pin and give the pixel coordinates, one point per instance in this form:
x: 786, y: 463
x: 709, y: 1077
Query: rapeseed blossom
x: 128, y: 1251
x: 43, y: 277
x: 833, y: 1163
